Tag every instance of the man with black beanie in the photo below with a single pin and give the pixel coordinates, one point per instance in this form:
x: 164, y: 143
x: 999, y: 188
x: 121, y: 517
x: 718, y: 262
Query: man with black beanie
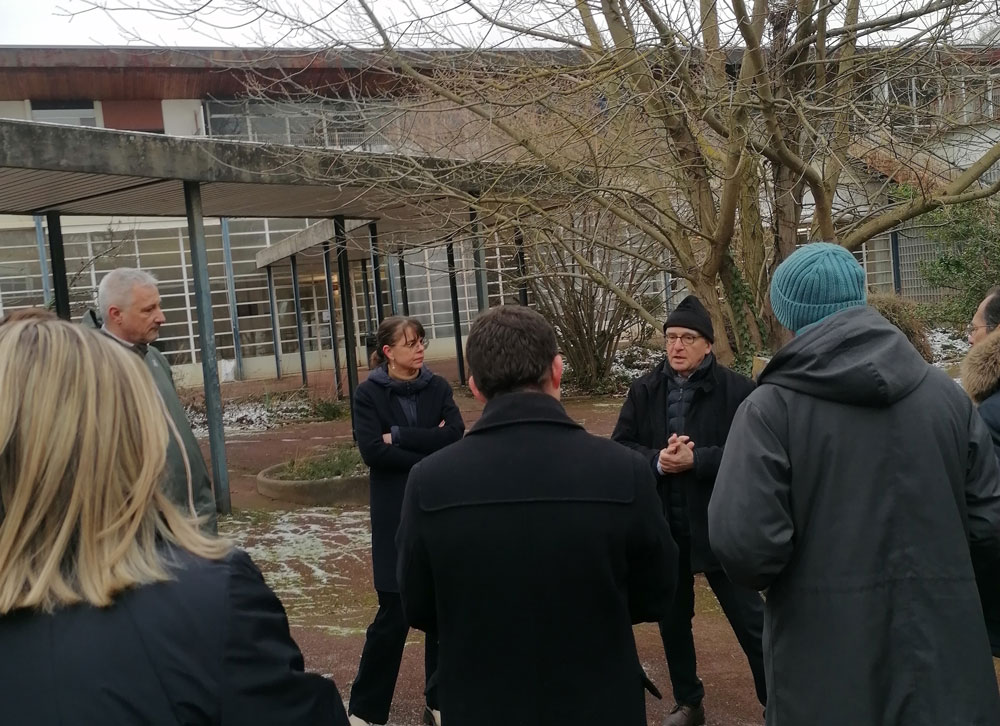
x: 678, y: 417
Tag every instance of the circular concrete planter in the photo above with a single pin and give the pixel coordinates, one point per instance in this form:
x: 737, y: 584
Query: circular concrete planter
x: 336, y: 490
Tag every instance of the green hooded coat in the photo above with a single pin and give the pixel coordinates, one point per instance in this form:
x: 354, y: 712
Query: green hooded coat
x: 174, y: 477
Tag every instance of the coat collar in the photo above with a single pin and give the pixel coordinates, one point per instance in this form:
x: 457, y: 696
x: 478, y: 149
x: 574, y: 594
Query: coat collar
x: 705, y: 380
x: 981, y: 368
x: 522, y: 407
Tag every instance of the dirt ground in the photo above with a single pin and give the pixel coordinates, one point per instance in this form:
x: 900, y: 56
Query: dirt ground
x: 318, y: 560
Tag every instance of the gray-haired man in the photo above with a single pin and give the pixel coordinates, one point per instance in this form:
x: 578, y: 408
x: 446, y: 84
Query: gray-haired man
x: 130, y: 313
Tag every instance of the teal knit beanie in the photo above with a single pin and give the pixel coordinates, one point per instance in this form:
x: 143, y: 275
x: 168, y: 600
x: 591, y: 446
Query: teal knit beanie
x: 815, y: 281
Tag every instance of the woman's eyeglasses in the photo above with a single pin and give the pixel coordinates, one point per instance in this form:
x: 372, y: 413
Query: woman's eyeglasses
x: 411, y: 344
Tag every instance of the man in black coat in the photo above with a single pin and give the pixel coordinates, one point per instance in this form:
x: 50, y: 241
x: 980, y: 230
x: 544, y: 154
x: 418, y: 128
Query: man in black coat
x: 531, y: 547
x: 678, y: 417
x: 981, y: 380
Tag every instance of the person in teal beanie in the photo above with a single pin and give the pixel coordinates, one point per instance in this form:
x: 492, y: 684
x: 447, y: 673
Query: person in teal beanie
x: 860, y: 490
x: 816, y: 281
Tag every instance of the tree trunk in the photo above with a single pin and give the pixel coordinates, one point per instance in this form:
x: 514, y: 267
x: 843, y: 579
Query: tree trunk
x: 709, y: 296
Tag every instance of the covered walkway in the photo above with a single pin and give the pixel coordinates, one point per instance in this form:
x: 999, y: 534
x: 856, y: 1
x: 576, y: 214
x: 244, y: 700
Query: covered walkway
x: 55, y: 171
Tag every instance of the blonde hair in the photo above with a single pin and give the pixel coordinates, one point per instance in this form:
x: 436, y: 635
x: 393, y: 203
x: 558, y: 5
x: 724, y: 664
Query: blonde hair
x: 83, y: 437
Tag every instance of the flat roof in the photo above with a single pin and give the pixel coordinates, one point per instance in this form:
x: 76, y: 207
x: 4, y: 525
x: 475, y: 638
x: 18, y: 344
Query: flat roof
x: 98, y: 172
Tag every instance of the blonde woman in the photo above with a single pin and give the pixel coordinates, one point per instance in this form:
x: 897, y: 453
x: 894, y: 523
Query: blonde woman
x: 115, y: 608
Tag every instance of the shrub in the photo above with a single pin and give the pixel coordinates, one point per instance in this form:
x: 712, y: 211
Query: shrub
x: 339, y: 461
x: 906, y: 316
x: 330, y: 410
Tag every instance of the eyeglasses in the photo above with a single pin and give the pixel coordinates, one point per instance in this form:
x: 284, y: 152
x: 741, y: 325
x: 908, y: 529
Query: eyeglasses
x: 687, y: 339
x: 411, y: 344
x: 970, y: 328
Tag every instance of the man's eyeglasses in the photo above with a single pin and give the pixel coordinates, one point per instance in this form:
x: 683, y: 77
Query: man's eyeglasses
x: 970, y: 328
x: 687, y: 339
x: 411, y: 344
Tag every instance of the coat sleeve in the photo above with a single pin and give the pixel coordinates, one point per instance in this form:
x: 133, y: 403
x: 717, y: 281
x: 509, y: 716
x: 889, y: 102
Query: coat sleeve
x: 990, y: 414
x: 368, y: 430
x: 413, y: 569
x: 428, y: 440
x: 627, y: 430
x: 264, y: 681
x: 982, y: 503
x: 652, y: 553
x: 750, y: 526
x: 707, y: 459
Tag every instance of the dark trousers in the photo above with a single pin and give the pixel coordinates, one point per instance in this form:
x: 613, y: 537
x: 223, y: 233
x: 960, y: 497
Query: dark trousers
x: 371, y: 694
x: 744, y: 609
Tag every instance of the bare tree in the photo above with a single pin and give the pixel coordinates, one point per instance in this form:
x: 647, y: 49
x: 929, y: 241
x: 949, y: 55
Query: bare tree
x: 724, y: 134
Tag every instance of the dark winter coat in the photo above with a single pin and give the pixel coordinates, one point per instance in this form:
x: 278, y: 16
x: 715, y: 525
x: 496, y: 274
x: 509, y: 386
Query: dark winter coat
x: 175, y: 480
x: 209, y: 648
x: 377, y: 410
x: 531, y: 547
x: 981, y: 379
x: 856, y: 480
x: 642, y: 426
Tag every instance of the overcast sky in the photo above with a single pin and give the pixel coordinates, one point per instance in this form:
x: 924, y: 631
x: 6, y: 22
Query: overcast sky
x: 44, y: 22
x: 51, y: 23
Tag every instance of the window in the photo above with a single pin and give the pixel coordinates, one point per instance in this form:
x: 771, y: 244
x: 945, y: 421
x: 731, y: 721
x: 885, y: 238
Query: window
x: 340, y: 124
x: 71, y: 113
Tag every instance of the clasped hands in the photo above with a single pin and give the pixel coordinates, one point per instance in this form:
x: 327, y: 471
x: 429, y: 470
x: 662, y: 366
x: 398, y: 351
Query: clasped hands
x: 678, y: 455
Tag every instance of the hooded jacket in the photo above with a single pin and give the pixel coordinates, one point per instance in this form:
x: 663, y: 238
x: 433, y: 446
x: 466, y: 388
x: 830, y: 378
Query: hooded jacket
x: 175, y: 478
x: 856, y: 482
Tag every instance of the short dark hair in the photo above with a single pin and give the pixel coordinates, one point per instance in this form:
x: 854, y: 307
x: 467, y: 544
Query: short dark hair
x: 991, y: 313
x: 510, y: 348
x: 388, y: 333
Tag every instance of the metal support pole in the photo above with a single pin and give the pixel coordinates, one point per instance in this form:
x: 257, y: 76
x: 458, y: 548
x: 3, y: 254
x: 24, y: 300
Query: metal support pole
x: 206, y: 338
x: 479, y: 260
x: 43, y: 265
x: 456, y: 320
x: 392, y: 286
x: 347, y: 309
x: 402, y: 285
x: 332, y: 312
x: 522, y: 267
x: 897, y: 273
x: 275, y: 332
x: 58, y: 255
x: 376, y: 271
x: 296, y: 296
x: 367, y: 295
x: 234, y: 315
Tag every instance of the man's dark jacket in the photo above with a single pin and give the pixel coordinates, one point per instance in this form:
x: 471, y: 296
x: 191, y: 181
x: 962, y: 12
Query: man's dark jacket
x: 175, y: 477
x: 981, y: 380
x: 856, y: 481
x: 209, y: 648
x: 531, y: 547
x: 642, y: 426
x: 376, y: 411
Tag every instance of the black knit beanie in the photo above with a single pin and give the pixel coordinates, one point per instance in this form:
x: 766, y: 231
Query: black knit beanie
x: 690, y: 313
